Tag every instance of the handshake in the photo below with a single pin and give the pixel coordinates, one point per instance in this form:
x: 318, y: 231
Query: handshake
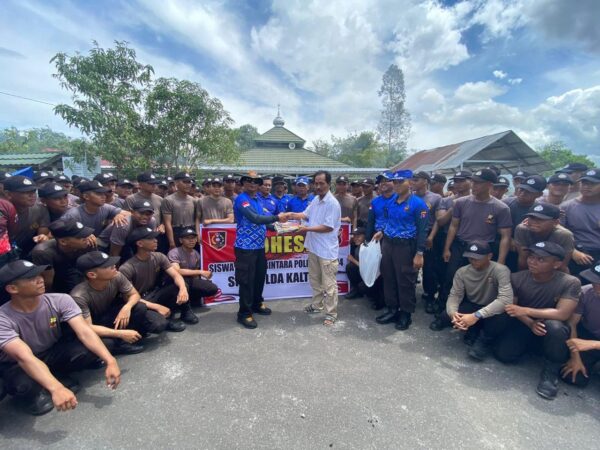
x: 284, y: 217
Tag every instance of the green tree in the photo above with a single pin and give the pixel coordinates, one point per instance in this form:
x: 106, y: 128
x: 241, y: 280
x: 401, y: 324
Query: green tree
x: 107, y: 89
x: 394, y: 124
x: 33, y: 140
x: 558, y: 155
x: 188, y: 126
x: 245, y: 135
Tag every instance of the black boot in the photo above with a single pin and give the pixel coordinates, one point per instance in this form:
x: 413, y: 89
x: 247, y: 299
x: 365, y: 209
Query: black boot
x: 125, y: 348
x: 482, y: 347
x: 404, y: 321
x: 548, y: 385
x: 429, y: 305
x: 440, y: 322
x: 352, y: 294
x: 39, y: 404
x: 389, y: 317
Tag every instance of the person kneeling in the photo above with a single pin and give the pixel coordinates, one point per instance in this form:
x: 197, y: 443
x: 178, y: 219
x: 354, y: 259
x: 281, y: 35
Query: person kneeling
x: 35, y: 349
x: 584, y: 343
x: 479, y: 294
x: 186, y: 261
x: 111, y: 305
x: 545, y: 299
x: 144, y: 270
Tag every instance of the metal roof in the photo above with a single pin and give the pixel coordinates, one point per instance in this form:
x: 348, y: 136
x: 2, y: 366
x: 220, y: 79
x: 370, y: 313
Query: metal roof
x: 505, y: 150
x: 38, y: 160
x: 279, y: 134
x: 298, y: 157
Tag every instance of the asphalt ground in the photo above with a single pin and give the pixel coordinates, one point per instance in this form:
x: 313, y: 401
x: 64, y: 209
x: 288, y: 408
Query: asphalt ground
x: 295, y: 384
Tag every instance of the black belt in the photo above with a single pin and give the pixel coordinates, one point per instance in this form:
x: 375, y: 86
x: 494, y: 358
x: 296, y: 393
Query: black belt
x: 398, y: 241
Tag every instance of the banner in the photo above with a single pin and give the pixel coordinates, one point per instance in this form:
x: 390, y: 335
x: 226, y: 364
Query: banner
x: 287, y: 263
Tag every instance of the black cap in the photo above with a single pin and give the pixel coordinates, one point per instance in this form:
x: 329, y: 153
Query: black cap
x: 592, y: 274
x: 105, y: 177
x: 502, y: 181
x: 450, y: 184
x: 438, y: 178
x: 207, y: 181
x: 4, y: 176
x: 521, y: 174
x: 422, y: 174
x: 592, y: 175
x: 485, y: 176
x: 18, y: 270
x: 42, y: 176
x: 169, y: 180
x: 342, y: 179
x: 355, y: 183
x: 494, y: 169
x: 142, y: 205
x: 533, y: 183
x: 276, y: 180
x: 359, y: 230
x: 140, y: 233
x: 163, y: 184
x: 477, y: 250
x: 368, y: 181
x: 92, y: 186
x: 148, y: 177
x: 217, y: 180
x: 547, y: 248
x: 182, y: 176
x: 560, y: 178
x: 77, y: 180
x: 231, y: 177
x: 573, y: 167
x: 462, y: 175
x: 125, y: 182
x: 62, y: 178
x: 188, y: 232
x: 63, y: 228
x: 95, y: 260
x: 19, y: 183
x: 52, y: 190
x: 545, y: 211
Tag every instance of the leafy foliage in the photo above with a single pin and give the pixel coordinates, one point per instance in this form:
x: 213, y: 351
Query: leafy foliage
x: 558, y: 155
x: 136, y: 122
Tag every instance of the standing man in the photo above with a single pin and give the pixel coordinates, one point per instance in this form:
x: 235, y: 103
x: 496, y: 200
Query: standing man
x: 478, y: 217
x: 419, y: 184
x: 229, y: 187
x: 348, y: 203
x: 558, y: 187
x: 123, y: 190
x: 34, y: 348
x: 364, y: 202
x: 300, y: 201
x: 213, y: 208
x: 147, y: 182
x: 575, y: 171
x: 582, y: 217
x: 269, y: 203
x: 249, y: 247
x: 323, y: 215
x: 404, y: 236
x: 438, y: 181
x: 519, y: 177
x: 500, y: 188
x: 178, y: 209
x: 280, y: 193
x: 356, y: 189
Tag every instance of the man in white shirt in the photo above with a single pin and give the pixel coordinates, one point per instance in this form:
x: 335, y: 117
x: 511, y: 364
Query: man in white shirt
x: 323, y: 215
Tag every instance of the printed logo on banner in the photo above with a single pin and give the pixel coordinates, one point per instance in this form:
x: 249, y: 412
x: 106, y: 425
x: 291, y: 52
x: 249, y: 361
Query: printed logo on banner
x: 217, y: 239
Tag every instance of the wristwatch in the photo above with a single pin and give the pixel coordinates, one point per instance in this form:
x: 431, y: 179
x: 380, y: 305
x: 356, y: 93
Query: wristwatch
x: 478, y: 315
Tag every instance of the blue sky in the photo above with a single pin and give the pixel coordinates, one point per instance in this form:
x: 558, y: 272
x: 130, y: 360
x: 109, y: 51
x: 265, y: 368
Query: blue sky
x: 472, y: 67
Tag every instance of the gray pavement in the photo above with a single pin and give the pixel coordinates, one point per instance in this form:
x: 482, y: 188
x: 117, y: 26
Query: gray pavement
x: 293, y: 383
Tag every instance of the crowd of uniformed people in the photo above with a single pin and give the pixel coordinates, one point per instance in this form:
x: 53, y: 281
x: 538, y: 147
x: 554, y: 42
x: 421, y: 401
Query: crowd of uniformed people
x: 89, y: 268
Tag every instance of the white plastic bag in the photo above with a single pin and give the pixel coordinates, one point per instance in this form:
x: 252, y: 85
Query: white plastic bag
x: 370, y: 258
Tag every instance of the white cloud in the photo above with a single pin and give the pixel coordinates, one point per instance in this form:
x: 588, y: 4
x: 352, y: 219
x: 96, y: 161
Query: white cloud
x: 479, y: 91
x: 500, y: 74
x: 515, y: 81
